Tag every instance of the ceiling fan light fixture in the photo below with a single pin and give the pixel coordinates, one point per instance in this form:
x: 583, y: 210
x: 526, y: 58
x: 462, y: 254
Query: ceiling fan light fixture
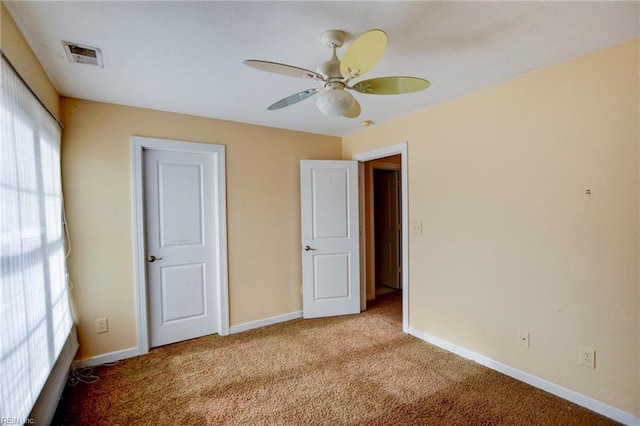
x: 335, y: 102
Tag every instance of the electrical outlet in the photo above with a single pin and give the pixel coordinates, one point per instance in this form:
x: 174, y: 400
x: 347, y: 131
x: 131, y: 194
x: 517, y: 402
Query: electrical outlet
x: 523, y: 338
x: 587, y: 357
x: 416, y: 227
x: 102, y: 326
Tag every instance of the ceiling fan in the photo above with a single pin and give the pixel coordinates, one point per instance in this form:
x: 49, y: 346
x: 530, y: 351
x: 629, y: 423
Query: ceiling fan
x: 336, y: 75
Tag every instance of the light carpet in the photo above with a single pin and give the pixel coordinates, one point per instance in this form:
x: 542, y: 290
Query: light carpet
x: 349, y: 370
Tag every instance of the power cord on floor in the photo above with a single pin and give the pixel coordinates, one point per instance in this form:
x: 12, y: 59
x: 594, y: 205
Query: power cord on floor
x: 85, y: 374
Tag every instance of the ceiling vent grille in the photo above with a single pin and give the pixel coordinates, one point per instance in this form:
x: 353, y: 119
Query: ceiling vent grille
x: 80, y: 54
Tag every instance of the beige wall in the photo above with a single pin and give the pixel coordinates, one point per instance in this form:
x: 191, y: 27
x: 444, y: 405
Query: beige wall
x: 16, y: 48
x: 263, y: 210
x: 510, y: 239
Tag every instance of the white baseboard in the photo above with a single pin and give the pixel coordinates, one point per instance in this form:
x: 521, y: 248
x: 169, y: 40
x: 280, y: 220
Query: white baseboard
x: 131, y: 352
x: 264, y: 322
x: 105, y: 358
x: 568, y: 394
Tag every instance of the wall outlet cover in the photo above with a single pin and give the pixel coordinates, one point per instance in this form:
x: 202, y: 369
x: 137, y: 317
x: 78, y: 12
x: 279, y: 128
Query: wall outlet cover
x: 587, y: 357
x: 416, y: 227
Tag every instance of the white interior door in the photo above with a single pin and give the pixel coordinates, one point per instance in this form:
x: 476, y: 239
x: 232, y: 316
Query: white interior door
x: 330, y: 239
x: 180, y: 245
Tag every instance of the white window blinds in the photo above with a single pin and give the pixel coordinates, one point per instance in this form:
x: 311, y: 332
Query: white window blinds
x: 35, y: 317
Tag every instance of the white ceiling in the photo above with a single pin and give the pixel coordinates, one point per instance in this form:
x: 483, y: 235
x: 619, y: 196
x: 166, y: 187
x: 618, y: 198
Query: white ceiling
x: 186, y: 57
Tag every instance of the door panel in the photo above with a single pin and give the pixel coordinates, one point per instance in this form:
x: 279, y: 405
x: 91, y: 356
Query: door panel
x: 330, y: 256
x: 331, y: 280
x: 330, y: 210
x: 183, y: 292
x: 180, y: 199
x: 181, y: 287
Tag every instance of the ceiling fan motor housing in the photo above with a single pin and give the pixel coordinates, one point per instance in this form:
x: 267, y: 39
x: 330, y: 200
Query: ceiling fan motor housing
x: 330, y: 69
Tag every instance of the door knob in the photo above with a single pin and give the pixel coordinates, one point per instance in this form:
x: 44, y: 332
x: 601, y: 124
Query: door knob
x: 307, y: 248
x: 152, y: 258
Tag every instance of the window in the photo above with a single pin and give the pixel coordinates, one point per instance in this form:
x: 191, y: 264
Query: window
x: 35, y: 318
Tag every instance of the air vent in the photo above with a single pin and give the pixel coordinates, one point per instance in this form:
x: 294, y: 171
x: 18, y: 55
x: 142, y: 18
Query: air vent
x: 80, y: 54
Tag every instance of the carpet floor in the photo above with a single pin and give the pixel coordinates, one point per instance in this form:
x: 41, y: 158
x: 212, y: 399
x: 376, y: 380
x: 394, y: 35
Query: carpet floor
x: 350, y: 370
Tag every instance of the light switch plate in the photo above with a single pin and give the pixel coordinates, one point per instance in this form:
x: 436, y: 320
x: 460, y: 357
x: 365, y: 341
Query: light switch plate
x: 523, y: 338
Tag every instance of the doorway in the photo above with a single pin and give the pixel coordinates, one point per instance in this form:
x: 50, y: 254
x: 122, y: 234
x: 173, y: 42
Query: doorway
x: 387, y: 228
x: 394, y: 158
x: 383, y: 225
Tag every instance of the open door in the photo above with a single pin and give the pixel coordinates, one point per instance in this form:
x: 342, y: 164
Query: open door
x: 330, y: 238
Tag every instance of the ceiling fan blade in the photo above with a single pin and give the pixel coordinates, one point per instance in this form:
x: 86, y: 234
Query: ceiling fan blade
x: 363, y: 53
x: 293, y: 99
x: 284, y: 69
x: 391, y: 85
x: 355, y: 110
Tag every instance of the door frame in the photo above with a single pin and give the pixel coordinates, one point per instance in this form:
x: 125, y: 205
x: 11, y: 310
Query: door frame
x: 375, y: 154
x: 138, y: 145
